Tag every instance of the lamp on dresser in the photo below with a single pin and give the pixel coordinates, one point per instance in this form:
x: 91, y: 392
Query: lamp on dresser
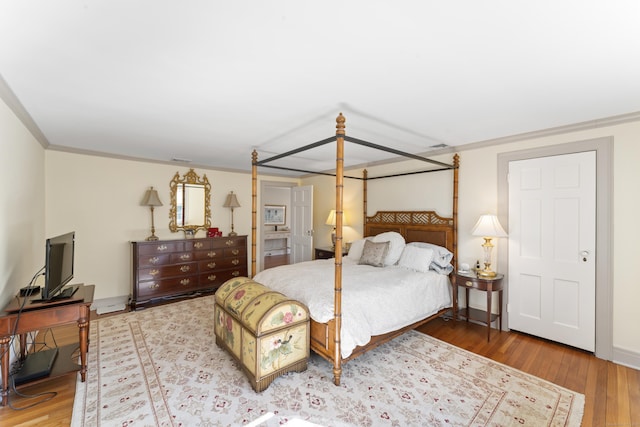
x: 231, y: 202
x: 152, y: 200
x: 488, y: 227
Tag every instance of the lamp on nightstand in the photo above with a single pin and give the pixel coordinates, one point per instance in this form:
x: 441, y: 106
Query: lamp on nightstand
x: 331, y: 220
x: 488, y: 227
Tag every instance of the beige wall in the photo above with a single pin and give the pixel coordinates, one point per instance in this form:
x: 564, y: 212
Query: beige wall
x: 99, y: 198
x: 22, y: 205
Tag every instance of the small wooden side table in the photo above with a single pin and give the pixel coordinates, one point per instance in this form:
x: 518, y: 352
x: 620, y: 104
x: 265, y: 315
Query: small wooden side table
x: 328, y: 252
x: 485, y: 284
x: 36, y: 316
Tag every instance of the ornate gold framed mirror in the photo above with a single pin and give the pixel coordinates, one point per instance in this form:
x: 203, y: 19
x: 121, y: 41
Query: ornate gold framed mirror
x: 190, y: 203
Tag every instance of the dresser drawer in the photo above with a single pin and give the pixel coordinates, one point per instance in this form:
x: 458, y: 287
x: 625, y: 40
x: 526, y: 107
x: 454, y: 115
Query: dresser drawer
x: 156, y: 273
x: 180, y: 257
x: 229, y: 242
x: 198, y: 244
x: 222, y: 263
x: 160, y: 247
x: 158, y: 288
x: 208, y: 254
x: 236, y: 252
x: 153, y: 260
x: 216, y: 278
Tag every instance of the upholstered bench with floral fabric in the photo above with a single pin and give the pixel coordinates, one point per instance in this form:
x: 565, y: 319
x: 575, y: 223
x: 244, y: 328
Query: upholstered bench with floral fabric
x: 265, y: 331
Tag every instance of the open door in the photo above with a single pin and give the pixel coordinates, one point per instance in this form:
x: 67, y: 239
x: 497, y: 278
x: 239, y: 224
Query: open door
x: 302, y: 223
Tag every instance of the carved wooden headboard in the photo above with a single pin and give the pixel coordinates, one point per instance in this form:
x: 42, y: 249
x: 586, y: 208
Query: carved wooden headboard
x: 415, y: 226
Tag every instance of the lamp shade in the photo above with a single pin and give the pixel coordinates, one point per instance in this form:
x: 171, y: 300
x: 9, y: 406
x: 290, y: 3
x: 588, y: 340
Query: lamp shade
x: 232, y: 201
x: 151, y: 198
x: 331, y: 219
x: 488, y: 226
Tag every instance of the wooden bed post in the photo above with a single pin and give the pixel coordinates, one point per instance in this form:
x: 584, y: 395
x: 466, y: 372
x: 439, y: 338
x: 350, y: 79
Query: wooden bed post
x: 337, y: 359
x: 365, y: 176
x: 456, y: 165
x: 254, y: 209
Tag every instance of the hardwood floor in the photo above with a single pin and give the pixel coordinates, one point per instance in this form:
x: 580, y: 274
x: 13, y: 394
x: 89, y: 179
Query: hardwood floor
x: 612, y: 391
x: 276, y: 260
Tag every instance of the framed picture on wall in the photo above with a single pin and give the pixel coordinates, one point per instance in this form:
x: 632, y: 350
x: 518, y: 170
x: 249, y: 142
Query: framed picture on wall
x: 274, y: 214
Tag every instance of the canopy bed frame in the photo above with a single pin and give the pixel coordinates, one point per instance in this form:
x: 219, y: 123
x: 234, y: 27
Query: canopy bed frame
x: 414, y: 226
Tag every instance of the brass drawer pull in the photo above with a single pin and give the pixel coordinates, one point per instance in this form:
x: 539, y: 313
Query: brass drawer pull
x: 154, y: 260
x: 211, y: 265
x: 185, y: 257
x: 235, y: 262
x: 235, y: 251
x: 154, y: 286
x: 211, y: 254
x: 185, y: 282
x: 198, y: 245
x: 154, y: 272
x: 468, y: 283
x: 229, y: 242
x: 235, y: 273
x: 162, y: 248
x: 185, y: 268
x: 211, y: 278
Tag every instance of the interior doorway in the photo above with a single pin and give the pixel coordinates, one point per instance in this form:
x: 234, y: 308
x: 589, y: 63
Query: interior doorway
x: 275, y: 238
x: 604, y: 208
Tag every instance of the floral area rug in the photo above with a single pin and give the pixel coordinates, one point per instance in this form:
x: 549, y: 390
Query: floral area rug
x: 161, y: 367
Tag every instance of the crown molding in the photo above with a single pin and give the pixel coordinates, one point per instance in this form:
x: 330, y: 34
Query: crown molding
x: 12, y: 101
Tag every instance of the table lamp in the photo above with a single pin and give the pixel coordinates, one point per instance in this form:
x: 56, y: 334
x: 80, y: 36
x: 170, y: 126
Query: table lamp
x: 151, y: 199
x: 488, y: 227
x: 231, y: 202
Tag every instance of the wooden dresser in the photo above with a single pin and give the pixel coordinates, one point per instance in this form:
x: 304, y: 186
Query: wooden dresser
x: 166, y: 269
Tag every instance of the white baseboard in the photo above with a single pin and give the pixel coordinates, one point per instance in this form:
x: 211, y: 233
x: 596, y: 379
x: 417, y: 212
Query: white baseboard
x: 110, y: 305
x: 626, y: 358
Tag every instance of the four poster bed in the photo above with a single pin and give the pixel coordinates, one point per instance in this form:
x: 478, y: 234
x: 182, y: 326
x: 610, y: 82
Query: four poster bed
x: 396, y: 299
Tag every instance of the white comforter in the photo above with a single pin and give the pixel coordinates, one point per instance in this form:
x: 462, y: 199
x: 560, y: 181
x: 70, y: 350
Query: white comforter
x: 375, y: 300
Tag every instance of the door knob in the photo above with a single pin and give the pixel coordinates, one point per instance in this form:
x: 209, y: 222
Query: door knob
x: 584, y: 255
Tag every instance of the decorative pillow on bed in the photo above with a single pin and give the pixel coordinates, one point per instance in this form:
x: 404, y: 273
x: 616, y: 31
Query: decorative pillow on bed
x: 396, y: 245
x: 416, y: 258
x: 355, y: 250
x: 374, y: 253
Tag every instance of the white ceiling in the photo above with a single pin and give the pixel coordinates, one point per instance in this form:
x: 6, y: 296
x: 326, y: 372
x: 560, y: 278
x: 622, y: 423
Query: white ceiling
x: 209, y: 81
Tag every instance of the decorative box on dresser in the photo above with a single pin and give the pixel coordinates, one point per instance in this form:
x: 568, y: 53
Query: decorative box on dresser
x: 165, y: 269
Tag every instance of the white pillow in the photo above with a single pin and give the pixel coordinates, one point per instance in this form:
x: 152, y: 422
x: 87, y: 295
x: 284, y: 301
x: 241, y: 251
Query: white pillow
x: 355, y: 250
x: 441, y: 256
x: 416, y: 258
x: 396, y: 245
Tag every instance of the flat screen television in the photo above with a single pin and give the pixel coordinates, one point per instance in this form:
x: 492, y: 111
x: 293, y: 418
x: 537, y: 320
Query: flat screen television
x: 58, y: 268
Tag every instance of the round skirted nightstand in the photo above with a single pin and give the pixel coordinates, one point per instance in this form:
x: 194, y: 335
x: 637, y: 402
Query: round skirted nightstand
x: 486, y: 284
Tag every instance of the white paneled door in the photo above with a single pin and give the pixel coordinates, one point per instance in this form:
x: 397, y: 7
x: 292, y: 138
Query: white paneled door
x: 552, y: 248
x: 302, y: 224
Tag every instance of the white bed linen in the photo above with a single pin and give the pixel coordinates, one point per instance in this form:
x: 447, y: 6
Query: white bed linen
x: 375, y: 300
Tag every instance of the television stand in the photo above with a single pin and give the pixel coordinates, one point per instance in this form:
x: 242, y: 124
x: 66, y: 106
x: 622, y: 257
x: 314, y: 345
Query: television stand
x: 37, y: 316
